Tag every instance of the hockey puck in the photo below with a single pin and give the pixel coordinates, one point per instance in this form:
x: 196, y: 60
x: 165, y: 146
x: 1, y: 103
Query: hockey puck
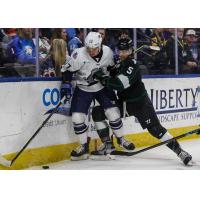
x: 45, y: 167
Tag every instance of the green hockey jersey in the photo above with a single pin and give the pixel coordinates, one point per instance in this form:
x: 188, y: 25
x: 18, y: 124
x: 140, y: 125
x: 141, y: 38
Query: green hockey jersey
x: 126, y: 79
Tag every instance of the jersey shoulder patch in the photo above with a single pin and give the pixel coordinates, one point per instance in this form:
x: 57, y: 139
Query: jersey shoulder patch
x: 77, y: 53
x: 74, y: 55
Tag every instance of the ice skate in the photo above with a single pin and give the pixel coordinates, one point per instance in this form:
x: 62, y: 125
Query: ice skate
x: 125, y: 144
x: 80, y: 153
x: 104, y: 151
x: 185, y: 157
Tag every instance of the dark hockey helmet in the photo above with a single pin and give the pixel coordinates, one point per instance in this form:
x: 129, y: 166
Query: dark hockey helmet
x: 125, y: 44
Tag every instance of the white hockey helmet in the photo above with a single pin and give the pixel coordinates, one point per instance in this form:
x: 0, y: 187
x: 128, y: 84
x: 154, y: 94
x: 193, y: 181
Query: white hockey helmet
x: 93, y: 40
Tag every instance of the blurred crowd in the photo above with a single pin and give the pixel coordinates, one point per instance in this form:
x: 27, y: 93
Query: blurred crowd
x: 154, y: 49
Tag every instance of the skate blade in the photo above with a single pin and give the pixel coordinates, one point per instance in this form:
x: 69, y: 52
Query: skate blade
x: 102, y: 157
x: 83, y: 157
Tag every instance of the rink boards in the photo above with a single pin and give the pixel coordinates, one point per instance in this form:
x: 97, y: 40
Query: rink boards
x: 25, y: 103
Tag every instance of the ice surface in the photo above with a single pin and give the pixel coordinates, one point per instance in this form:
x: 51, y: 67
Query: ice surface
x: 160, y: 158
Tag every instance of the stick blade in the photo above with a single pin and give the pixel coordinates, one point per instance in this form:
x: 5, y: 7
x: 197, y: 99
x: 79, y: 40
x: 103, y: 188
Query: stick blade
x: 155, y: 48
x: 122, y: 153
x: 4, y: 162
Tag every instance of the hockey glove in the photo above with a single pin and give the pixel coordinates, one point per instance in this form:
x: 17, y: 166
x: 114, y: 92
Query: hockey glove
x: 66, y: 91
x: 90, y: 78
x: 99, y: 75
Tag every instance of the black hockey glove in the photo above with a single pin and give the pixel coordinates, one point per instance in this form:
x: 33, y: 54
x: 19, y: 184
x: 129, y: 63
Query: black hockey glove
x: 66, y: 91
x: 90, y: 78
x: 99, y: 75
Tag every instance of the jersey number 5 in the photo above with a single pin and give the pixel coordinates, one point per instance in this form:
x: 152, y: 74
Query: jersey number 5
x: 129, y: 70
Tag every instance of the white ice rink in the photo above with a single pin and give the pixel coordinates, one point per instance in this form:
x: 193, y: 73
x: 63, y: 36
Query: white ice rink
x: 160, y: 158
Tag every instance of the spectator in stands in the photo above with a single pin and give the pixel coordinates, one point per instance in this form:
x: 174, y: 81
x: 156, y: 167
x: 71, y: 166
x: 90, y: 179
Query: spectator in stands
x: 2, y: 34
x: 159, y: 58
x: 46, y: 32
x: 124, y: 33
x: 44, y: 45
x: 102, y: 31
x: 144, y: 57
x: 77, y: 41
x: 22, y: 47
x: 56, y: 58
x: 191, y: 40
x: 71, y: 33
x: 108, y: 39
x: 144, y: 36
x: 168, y: 32
x: 59, y: 33
x: 157, y: 38
x: 104, y: 36
x: 185, y: 59
x: 8, y: 34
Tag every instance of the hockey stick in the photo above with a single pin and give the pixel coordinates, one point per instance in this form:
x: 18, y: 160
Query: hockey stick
x: 123, y: 153
x: 154, y: 48
x: 4, y: 161
x: 37, y: 131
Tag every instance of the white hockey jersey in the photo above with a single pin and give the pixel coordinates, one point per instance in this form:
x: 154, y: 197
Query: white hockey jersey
x: 84, y: 66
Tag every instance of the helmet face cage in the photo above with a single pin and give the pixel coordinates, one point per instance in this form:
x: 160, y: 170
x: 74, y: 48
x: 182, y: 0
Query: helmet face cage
x: 93, y: 40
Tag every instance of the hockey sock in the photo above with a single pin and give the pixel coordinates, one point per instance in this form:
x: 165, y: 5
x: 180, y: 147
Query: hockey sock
x: 117, y: 127
x: 173, y: 145
x: 82, y: 138
x: 104, y: 134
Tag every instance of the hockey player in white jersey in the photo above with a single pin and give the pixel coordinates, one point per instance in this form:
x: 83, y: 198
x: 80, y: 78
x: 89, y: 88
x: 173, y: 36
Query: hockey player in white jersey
x: 85, y: 62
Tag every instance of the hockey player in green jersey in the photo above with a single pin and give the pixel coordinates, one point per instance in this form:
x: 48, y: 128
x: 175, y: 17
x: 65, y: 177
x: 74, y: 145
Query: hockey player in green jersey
x: 133, y: 99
